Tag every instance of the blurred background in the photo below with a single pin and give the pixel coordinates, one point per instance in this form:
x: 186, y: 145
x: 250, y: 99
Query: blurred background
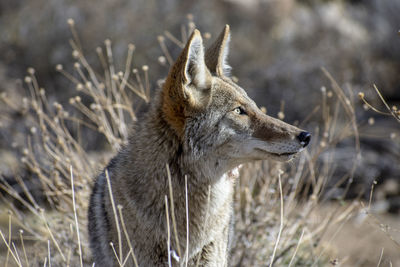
x: 278, y: 48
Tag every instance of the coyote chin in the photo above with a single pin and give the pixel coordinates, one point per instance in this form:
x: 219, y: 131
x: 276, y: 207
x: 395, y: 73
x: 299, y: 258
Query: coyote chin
x: 202, y: 125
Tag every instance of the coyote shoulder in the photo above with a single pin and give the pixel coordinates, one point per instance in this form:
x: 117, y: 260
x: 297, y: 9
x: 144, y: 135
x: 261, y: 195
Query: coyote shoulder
x: 202, y: 125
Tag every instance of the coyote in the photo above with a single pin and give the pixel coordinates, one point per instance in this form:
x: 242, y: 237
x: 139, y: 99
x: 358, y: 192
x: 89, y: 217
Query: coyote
x: 201, y: 125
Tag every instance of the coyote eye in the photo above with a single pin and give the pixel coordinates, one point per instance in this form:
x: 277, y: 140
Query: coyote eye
x: 239, y: 111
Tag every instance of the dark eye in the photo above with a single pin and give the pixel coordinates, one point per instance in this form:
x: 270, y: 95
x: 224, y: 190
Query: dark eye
x: 239, y: 111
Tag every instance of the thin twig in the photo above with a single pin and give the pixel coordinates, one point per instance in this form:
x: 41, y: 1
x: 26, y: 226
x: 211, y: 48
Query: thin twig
x: 115, y: 217
x: 168, y: 232
x: 281, y: 223
x: 127, y: 235
x: 187, y: 223
x: 76, y: 218
x: 9, y: 249
x: 23, y: 247
x: 16, y: 253
x: 48, y: 251
x: 171, y: 196
x: 51, y: 235
x: 380, y: 258
x: 297, y: 247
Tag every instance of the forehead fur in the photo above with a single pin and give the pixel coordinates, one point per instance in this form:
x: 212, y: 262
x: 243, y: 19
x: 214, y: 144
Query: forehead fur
x: 226, y: 93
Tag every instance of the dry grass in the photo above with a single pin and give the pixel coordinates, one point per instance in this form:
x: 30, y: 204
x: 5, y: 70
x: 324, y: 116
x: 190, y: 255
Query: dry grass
x: 275, y: 203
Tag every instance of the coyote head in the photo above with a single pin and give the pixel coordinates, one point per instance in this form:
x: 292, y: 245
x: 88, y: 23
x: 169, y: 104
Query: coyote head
x: 214, y: 118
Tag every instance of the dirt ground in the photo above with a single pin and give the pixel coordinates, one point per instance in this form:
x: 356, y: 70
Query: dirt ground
x: 363, y: 239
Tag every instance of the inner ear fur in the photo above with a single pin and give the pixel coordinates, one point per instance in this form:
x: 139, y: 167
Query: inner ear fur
x: 188, y: 84
x: 217, y: 54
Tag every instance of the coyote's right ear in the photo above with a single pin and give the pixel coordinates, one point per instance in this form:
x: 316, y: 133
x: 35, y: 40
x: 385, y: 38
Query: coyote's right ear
x: 217, y: 54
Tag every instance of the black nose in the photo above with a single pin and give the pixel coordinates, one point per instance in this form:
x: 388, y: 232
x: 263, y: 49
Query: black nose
x: 304, y: 138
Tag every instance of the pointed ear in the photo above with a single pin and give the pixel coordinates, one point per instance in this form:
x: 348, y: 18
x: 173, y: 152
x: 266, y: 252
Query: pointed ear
x: 188, y: 84
x: 217, y: 54
x: 195, y: 69
x: 189, y: 78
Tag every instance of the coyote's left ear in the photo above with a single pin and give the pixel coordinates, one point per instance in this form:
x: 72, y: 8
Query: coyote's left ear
x: 188, y: 84
x: 195, y: 69
x: 189, y: 80
x: 217, y: 54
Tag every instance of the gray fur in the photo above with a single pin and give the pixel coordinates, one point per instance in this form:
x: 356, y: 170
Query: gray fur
x: 199, y: 134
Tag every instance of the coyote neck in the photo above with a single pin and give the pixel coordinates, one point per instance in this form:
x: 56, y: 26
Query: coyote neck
x: 164, y: 147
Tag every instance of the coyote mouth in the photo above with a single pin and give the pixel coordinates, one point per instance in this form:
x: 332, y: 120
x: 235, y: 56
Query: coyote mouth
x: 278, y: 155
x: 283, y: 154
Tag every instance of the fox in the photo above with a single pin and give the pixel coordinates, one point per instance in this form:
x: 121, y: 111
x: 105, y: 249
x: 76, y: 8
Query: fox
x: 202, y: 126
